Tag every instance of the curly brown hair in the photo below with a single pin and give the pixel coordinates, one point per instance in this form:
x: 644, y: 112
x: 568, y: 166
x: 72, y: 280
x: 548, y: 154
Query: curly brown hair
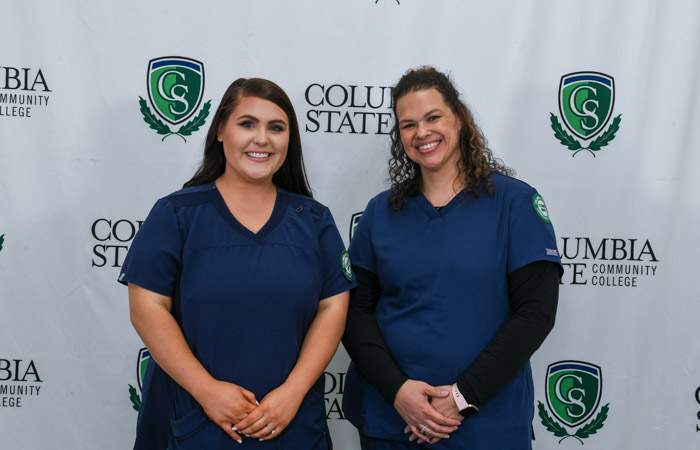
x: 476, y: 164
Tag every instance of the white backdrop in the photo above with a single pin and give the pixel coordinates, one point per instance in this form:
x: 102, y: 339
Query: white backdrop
x: 79, y: 168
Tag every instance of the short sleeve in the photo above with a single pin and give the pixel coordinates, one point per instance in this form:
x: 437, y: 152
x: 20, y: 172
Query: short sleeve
x: 154, y: 258
x: 361, y: 249
x: 337, y: 271
x: 530, y: 233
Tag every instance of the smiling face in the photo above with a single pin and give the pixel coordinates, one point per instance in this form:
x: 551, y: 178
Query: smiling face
x: 429, y: 131
x: 255, y: 139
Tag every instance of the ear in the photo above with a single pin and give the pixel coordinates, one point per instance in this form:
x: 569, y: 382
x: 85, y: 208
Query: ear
x: 220, y: 132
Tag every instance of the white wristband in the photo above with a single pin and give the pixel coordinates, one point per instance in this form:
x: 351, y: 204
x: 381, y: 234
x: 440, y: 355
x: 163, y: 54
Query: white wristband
x: 461, y: 402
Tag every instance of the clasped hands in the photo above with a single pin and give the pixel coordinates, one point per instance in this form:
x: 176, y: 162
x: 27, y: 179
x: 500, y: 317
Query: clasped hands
x: 430, y: 412
x: 238, y: 413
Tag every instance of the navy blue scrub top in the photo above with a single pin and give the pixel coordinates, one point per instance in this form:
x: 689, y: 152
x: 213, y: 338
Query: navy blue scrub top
x: 444, y: 279
x: 244, y: 302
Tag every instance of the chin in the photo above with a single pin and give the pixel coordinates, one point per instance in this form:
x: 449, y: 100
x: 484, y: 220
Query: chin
x: 261, y: 178
x: 430, y: 164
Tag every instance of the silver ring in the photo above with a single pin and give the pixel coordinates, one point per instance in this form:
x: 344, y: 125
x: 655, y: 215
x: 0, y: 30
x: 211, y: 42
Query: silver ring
x: 270, y: 428
x: 424, y: 429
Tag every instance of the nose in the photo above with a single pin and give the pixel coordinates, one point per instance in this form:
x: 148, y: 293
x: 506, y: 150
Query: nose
x: 261, y: 136
x: 421, y: 130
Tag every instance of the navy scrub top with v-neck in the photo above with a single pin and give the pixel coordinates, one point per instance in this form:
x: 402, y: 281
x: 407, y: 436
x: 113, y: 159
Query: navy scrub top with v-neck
x: 244, y: 302
x: 444, y: 280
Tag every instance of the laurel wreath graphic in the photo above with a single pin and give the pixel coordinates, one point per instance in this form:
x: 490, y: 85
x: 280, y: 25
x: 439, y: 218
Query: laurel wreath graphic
x: 135, y: 399
x: 185, y: 130
x: 2, y: 239
x: 585, y: 431
x: 572, y: 144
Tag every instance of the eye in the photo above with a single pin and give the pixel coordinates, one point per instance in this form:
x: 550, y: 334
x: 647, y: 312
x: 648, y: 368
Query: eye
x: 277, y: 128
x: 433, y: 118
x: 407, y: 126
x: 247, y: 124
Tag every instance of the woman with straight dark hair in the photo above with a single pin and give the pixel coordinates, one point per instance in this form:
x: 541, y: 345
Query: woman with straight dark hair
x: 238, y: 286
x: 458, y: 278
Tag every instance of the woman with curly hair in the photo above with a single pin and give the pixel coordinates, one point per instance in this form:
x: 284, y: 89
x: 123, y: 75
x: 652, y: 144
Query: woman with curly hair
x: 458, y: 277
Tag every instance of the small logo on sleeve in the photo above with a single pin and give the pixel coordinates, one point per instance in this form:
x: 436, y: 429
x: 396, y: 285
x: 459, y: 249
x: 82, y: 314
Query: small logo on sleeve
x: 345, y: 265
x: 540, y: 207
x: 551, y: 252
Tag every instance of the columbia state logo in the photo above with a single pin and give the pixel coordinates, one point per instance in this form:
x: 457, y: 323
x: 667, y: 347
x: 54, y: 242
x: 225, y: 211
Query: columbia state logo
x: 354, y: 220
x: 586, y: 101
x: 573, y: 390
x: 175, y: 88
x: 141, y: 365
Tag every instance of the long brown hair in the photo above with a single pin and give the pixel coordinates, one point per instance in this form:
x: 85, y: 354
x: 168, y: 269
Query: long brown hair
x: 477, y: 162
x: 291, y: 175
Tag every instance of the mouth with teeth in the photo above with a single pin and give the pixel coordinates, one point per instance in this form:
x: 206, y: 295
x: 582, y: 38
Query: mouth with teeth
x: 257, y: 155
x: 425, y: 148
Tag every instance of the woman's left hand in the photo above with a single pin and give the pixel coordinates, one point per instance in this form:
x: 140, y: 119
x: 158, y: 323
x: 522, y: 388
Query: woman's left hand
x: 279, y: 407
x: 272, y: 416
x: 446, y: 406
x: 412, y: 402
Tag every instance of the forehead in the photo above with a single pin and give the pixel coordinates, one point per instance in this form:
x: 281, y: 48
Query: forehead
x: 259, y: 108
x: 417, y: 103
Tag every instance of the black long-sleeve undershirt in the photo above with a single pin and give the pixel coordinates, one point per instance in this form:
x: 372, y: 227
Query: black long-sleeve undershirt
x: 533, y: 291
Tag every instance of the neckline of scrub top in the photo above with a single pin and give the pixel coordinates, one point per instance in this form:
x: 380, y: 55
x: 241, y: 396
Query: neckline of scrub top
x: 275, y: 218
x: 431, y: 210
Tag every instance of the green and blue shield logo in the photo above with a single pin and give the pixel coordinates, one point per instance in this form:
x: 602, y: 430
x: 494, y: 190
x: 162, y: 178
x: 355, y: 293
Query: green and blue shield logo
x: 354, y: 220
x: 573, y: 390
x: 144, y: 357
x: 141, y: 365
x: 586, y: 101
x: 175, y: 88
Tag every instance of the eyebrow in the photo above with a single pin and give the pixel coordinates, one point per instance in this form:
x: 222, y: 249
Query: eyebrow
x: 255, y: 119
x: 429, y: 113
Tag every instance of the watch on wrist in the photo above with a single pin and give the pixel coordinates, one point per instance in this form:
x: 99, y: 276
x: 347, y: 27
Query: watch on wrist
x: 466, y: 409
x: 469, y: 411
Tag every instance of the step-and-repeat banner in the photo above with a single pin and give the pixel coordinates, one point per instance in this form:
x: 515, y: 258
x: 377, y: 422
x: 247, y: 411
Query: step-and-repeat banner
x: 86, y: 147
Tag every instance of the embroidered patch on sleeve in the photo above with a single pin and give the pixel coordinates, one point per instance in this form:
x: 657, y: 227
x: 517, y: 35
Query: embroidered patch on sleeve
x: 540, y: 207
x: 345, y: 265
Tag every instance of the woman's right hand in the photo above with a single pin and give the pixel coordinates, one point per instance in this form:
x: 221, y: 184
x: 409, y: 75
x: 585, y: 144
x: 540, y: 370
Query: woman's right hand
x: 412, y: 402
x: 225, y: 404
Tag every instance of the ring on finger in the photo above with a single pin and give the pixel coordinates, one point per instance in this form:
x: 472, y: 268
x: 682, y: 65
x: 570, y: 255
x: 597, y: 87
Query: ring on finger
x: 424, y: 429
x: 272, y: 430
